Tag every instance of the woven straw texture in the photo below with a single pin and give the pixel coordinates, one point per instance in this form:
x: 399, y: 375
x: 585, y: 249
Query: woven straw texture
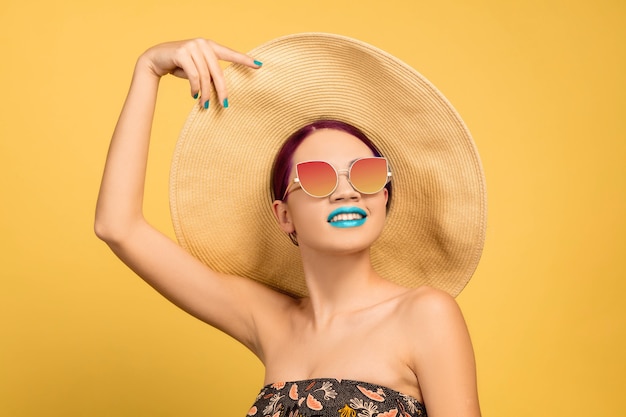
x: 220, y: 178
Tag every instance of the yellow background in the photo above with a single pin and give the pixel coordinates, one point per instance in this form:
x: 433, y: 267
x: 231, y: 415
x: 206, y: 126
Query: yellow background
x: 541, y: 84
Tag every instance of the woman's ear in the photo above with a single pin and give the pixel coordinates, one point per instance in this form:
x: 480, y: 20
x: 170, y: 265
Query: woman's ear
x: 283, y: 217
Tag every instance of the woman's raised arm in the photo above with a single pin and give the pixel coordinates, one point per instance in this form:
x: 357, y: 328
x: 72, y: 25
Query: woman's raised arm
x: 227, y: 303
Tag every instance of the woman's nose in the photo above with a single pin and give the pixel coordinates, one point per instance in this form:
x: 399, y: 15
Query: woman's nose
x: 344, y: 190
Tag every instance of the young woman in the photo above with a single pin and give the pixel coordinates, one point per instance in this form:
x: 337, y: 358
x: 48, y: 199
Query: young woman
x: 346, y: 322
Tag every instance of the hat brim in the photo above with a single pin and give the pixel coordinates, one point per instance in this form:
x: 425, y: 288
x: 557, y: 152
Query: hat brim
x: 220, y: 177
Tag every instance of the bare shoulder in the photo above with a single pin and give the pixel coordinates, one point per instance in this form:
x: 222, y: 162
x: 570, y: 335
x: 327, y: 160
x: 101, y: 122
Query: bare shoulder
x: 440, y: 352
x: 428, y: 303
x: 433, y: 317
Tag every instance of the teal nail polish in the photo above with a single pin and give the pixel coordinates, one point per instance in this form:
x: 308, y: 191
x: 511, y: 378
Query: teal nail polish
x: 259, y: 63
x: 225, y: 103
x: 195, y: 96
x: 206, y: 104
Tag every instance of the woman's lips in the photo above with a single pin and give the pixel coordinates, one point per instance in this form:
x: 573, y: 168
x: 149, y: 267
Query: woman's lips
x: 343, y: 217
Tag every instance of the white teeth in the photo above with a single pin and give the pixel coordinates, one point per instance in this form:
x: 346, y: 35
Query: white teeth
x: 346, y: 216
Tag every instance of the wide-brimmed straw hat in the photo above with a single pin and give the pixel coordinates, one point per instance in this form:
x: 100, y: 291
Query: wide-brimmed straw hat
x: 220, y: 179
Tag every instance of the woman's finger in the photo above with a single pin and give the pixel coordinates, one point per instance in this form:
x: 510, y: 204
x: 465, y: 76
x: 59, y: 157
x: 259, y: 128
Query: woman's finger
x: 226, y: 54
x: 217, y: 76
x: 215, y: 52
x: 187, y: 68
x: 198, y: 53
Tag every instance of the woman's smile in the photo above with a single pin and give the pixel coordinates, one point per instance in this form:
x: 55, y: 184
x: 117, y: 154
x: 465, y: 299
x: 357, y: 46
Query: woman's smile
x: 346, y: 216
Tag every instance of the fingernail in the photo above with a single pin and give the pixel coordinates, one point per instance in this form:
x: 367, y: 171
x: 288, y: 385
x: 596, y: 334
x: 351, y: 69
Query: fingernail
x: 225, y: 103
x: 206, y: 104
x: 258, y: 63
x: 195, y: 96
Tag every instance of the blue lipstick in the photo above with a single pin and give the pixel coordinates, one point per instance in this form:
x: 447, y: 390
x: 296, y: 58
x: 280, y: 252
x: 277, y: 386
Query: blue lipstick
x: 344, y: 217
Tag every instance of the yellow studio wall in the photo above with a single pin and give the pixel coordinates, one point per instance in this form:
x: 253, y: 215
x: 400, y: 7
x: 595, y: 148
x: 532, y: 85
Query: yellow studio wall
x: 541, y: 85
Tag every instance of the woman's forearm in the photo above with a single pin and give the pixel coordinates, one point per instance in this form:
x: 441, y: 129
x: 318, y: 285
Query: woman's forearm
x: 120, y: 200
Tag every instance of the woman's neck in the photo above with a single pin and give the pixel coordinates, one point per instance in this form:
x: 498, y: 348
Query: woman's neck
x: 340, y: 284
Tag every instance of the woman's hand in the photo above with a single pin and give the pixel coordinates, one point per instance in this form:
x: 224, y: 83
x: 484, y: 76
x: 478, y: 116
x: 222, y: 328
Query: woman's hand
x: 196, y: 60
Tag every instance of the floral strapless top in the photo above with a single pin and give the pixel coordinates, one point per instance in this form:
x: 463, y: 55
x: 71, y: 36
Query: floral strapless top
x: 326, y: 397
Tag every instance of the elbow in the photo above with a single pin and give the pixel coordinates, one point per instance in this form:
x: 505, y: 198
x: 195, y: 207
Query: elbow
x: 105, y: 232
x: 113, y: 222
x: 110, y: 232
x: 101, y: 230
